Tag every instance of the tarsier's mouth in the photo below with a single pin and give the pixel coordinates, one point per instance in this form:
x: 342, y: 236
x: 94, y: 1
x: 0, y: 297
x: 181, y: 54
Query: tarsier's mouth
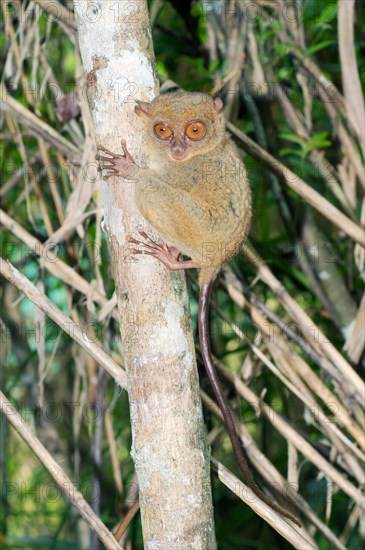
x: 179, y: 154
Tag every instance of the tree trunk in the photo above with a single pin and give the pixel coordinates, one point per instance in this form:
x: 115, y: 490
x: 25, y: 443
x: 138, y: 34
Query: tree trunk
x: 169, y: 446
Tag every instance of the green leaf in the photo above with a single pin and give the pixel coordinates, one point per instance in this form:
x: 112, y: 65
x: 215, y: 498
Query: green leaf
x: 328, y: 13
x: 320, y: 46
x: 213, y: 66
x: 282, y: 49
x: 294, y: 138
x: 317, y: 141
x: 285, y: 152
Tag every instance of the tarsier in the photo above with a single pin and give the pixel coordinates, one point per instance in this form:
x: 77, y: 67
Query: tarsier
x: 196, y: 195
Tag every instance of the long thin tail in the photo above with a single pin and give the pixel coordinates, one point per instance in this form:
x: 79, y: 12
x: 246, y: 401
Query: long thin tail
x: 204, y: 340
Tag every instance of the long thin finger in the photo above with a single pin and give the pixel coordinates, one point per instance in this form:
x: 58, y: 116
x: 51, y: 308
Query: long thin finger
x: 130, y: 239
x: 141, y: 252
x: 144, y: 245
x: 109, y: 167
x: 135, y: 241
x: 127, y: 153
x: 147, y: 237
x: 102, y: 148
x: 125, y: 150
x: 105, y: 151
x: 106, y: 159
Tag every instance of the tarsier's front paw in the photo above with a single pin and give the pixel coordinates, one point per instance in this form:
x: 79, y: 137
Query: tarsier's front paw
x: 116, y: 165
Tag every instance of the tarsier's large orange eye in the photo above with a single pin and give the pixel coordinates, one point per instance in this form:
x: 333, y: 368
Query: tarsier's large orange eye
x: 196, y: 130
x: 162, y: 131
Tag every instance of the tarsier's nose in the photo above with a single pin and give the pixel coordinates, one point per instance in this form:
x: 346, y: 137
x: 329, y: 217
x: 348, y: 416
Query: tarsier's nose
x: 178, y: 144
x: 178, y: 148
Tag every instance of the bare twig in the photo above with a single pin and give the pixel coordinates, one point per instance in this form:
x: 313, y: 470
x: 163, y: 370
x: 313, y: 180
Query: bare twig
x: 15, y: 178
x: 36, y: 126
x: 292, y: 435
x: 53, y: 263
x: 118, y: 480
x: 311, y: 332
x: 293, y: 181
x: 350, y: 75
x: 282, y: 526
x: 62, y: 480
x: 272, y: 476
x: 51, y: 179
x: 124, y: 524
x: 41, y: 301
x: 254, y: 305
x: 355, y: 344
x: 59, y: 11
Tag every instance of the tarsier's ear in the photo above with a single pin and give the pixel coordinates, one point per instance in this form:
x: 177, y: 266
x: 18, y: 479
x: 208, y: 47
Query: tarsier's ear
x: 218, y: 105
x: 142, y: 108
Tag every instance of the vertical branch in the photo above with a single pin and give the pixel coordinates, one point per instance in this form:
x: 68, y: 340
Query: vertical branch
x: 350, y: 75
x: 169, y: 449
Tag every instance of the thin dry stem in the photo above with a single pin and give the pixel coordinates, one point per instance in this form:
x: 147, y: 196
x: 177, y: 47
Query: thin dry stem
x: 58, y: 474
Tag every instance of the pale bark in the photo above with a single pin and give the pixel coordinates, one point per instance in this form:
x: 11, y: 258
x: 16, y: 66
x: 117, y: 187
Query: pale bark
x: 169, y: 445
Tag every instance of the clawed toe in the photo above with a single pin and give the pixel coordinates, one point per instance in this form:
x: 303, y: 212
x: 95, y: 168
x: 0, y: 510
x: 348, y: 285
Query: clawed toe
x: 104, y: 159
x: 132, y: 240
x: 101, y: 148
x: 147, y: 237
x: 168, y: 255
x: 125, y: 151
x: 151, y: 246
x: 137, y: 251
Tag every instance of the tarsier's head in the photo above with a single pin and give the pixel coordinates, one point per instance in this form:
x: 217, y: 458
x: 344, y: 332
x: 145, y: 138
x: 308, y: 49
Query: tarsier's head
x: 182, y: 125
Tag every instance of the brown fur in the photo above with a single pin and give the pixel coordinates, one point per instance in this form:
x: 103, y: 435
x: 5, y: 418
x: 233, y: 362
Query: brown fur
x: 200, y: 205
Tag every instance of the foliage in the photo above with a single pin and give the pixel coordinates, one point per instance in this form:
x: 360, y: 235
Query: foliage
x: 54, y: 384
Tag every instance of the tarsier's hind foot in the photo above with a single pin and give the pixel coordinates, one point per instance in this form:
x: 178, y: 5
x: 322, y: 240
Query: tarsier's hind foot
x: 168, y: 255
x: 114, y: 164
